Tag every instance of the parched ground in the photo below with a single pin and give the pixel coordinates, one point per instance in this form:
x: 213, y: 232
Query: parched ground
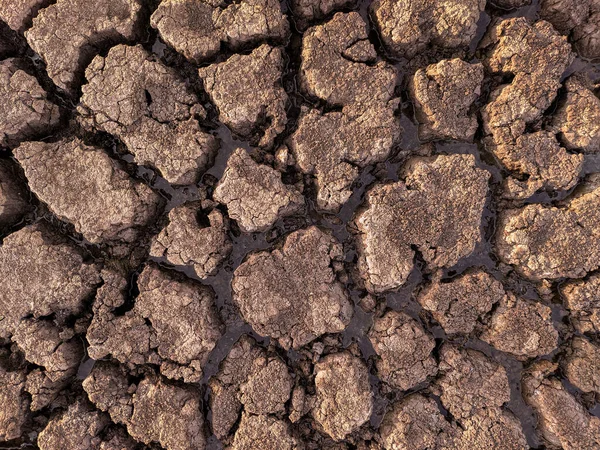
x: 300, y: 224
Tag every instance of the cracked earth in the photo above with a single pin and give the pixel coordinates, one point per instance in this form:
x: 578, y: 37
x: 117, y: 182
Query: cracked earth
x: 341, y: 225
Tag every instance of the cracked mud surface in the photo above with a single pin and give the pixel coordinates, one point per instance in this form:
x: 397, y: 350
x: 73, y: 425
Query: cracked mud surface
x: 306, y: 224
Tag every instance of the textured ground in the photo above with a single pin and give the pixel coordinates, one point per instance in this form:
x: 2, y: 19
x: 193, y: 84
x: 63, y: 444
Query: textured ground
x: 271, y: 225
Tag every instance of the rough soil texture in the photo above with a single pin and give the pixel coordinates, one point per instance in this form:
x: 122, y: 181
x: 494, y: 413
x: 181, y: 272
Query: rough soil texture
x: 292, y: 294
x: 300, y: 225
x: 145, y: 104
x: 254, y: 194
x: 436, y: 211
x: 84, y: 186
x: 25, y: 110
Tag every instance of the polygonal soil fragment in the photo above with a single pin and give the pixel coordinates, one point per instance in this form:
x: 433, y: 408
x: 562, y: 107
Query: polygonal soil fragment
x: 291, y: 294
x: 521, y: 327
x: 264, y: 432
x: 436, y: 210
x: 443, y: 94
x: 13, y: 196
x: 540, y: 163
x: 168, y: 414
x: 578, y: 116
x: 578, y: 19
x: 470, y: 382
x: 553, y: 242
x: 247, y: 91
x: 157, y: 411
x: 249, y: 378
x: 127, y: 337
x: 562, y: 421
x: 341, y: 67
x: 15, y: 405
x: 77, y: 428
x: 148, y: 107
x: 404, y: 350
x: 457, y: 305
x: 491, y: 428
x: 41, y: 274
x: 537, y: 56
x: 56, y: 353
x: 407, y: 27
x: 184, y: 242
x: 196, y: 28
x: 84, y: 186
x: 108, y: 388
x: 344, y: 400
x: 69, y: 33
x: 254, y: 194
x: 581, y: 365
x: 582, y: 299
x: 306, y: 11
x: 25, y: 110
x: 18, y: 14
x: 173, y: 323
x: 415, y: 423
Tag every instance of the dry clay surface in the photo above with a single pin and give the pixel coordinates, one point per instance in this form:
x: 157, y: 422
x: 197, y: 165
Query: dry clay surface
x: 300, y: 225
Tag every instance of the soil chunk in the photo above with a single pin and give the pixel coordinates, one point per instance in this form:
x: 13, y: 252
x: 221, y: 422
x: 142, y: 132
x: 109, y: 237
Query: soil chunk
x: 67, y: 34
x: 436, y: 210
x: 15, y: 405
x: 254, y: 194
x: 264, y: 432
x: 582, y: 299
x: 77, y: 428
x: 152, y: 411
x: 55, y: 351
x: 307, y: 11
x: 250, y: 379
x: 147, y: 106
x: 168, y: 414
x: 84, y: 186
x: 521, y: 327
x: 18, y: 15
x: 562, y: 421
x: 550, y: 242
x: 344, y: 400
x: 577, y: 19
x: 578, y: 117
x: 582, y: 365
x: 13, y: 196
x: 408, y: 27
x: 404, y: 350
x: 458, y: 305
x: 197, y: 29
x: 41, y: 274
x: 25, y: 110
x: 173, y: 323
x: 536, y: 55
x: 443, y: 94
x: 292, y: 294
x: 184, y: 242
x: 469, y: 382
x: 415, y: 423
x: 247, y: 91
x: 107, y: 388
x: 341, y: 67
x: 491, y: 428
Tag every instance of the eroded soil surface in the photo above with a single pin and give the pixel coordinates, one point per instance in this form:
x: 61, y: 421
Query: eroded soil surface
x: 304, y: 224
